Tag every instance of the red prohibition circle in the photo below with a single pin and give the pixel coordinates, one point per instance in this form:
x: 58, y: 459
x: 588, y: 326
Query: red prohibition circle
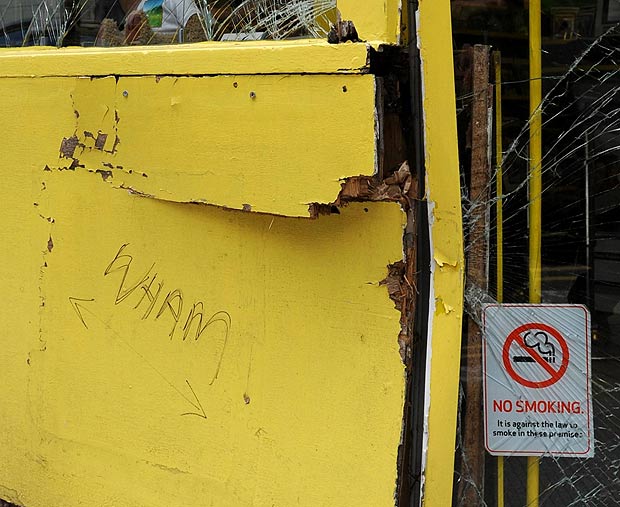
x: 516, y: 336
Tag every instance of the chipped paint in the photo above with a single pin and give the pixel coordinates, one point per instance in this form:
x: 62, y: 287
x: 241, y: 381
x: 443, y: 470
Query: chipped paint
x: 447, y: 267
x: 442, y: 307
x: 445, y: 260
x: 110, y: 131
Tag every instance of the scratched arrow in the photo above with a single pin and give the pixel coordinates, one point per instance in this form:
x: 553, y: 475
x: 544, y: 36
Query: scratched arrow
x: 80, y: 309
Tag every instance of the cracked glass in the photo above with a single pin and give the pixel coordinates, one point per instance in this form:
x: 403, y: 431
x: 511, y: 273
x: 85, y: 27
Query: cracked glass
x: 580, y: 253
x: 112, y: 23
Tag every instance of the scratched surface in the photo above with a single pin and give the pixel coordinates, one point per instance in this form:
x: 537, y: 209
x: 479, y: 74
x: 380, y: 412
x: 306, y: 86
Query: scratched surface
x: 162, y: 352
x: 158, y: 353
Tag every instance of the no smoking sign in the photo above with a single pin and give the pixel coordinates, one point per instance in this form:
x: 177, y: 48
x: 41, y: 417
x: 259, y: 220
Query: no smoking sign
x: 537, y: 394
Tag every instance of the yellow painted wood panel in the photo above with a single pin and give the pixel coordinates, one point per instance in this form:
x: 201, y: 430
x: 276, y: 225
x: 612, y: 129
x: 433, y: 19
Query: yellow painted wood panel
x: 291, y: 395
x: 443, y: 193
x: 377, y: 20
x: 204, y: 58
x: 272, y: 144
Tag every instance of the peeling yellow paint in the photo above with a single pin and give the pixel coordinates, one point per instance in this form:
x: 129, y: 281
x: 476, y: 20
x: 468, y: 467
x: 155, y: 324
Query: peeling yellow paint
x: 443, y: 260
x: 447, y: 239
x: 442, y: 307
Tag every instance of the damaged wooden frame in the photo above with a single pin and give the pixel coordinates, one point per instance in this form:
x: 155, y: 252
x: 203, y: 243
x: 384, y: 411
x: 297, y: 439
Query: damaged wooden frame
x: 257, y: 200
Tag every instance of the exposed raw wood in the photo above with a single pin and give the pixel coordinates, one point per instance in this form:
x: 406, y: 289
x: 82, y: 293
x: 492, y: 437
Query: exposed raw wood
x: 398, y: 187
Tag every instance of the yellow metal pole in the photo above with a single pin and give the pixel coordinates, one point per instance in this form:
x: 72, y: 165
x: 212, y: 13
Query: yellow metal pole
x: 535, y: 152
x: 500, y: 481
x: 535, y: 208
x: 497, y: 63
x: 533, y: 476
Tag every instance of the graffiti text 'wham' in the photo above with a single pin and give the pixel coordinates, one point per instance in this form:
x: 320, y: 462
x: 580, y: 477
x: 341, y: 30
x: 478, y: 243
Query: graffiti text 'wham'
x: 155, y: 302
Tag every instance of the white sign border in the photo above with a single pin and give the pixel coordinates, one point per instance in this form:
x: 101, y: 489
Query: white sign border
x: 590, y: 416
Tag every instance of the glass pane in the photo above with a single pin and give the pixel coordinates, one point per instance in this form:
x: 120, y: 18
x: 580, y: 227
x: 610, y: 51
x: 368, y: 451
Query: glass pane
x: 145, y: 22
x: 580, y: 253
